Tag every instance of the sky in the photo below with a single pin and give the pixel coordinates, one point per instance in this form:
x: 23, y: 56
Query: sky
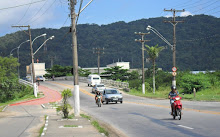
x: 55, y: 13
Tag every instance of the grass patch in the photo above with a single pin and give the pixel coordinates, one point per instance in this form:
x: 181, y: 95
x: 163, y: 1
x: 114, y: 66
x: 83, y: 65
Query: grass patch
x: 85, y: 116
x: 27, y: 97
x: 99, y: 128
x: 42, y: 128
x: 71, y: 116
x: 70, y: 126
x: 210, y: 94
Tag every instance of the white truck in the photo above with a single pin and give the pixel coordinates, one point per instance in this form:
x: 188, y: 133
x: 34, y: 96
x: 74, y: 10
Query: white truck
x: 93, y: 79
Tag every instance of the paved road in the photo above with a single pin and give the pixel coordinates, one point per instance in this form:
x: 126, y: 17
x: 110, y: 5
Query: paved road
x: 142, y: 117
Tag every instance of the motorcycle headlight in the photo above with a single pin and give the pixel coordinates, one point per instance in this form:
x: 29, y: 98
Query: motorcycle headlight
x: 178, y: 98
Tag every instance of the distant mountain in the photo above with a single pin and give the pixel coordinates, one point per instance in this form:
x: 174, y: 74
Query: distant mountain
x: 198, y: 43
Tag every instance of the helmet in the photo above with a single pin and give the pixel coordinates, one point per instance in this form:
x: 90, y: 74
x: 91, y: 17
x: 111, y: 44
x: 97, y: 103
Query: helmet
x: 173, y: 87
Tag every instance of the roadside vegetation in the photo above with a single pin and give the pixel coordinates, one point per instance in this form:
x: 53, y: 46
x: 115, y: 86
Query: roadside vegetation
x: 96, y: 125
x: 10, y: 89
x: 207, y: 85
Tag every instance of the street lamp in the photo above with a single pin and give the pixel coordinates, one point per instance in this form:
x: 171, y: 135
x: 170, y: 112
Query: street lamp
x: 158, y: 34
x: 50, y: 38
x: 18, y: 54
x: 172, y: 48
x: 32, y: 57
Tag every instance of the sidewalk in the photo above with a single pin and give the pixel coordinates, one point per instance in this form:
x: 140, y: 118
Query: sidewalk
x: 28, y: 116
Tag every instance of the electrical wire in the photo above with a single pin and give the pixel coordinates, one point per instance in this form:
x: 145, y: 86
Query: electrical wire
x: 24, y: 13
x: 36, y: 12
x: 205, y: 7
x: 44, y: 12
x: 21, y: 5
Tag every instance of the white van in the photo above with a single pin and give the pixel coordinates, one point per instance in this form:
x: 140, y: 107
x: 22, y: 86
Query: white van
x: 93, y: 79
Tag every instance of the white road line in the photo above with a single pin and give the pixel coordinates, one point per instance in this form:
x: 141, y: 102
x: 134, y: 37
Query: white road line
x: 185, y: 127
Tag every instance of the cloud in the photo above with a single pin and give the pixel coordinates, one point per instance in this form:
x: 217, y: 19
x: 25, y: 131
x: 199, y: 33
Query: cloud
x: 49, y: 14
x: 185, y: 14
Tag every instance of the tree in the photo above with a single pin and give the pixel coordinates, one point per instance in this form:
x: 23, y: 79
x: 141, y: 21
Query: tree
x: 116, y: 73
x: 153, y: 53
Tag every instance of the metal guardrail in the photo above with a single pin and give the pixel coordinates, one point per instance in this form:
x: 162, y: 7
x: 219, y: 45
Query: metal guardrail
x: 24, y: 82
x: 113, y: 83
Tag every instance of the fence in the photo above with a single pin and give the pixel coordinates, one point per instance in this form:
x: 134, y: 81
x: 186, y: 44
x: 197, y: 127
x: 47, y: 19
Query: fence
x: 113, y: 83
x: 34, y: 86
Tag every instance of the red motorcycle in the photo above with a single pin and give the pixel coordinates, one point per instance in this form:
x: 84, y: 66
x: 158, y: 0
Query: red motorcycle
x: 177, y: 107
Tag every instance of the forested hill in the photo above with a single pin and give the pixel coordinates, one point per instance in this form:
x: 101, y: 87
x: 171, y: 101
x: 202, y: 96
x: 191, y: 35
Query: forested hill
x: 198, y: 43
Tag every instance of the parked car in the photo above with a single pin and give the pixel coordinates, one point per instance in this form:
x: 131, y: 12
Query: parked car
x: 112, y: 95
x: 93, y: 79
x: 40, y: 78
x: 98, y: 87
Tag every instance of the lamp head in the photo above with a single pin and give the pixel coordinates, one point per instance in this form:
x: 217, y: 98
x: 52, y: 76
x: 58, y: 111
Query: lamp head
x: 44, y: 34
x: 52, y: 37
x: 148, y: 27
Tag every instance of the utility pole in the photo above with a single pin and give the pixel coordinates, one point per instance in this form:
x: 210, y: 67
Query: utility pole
x: 142, y: 41
x: 174, y: 23
x: 32, y: 57
x: 98, y: 51
x: 75, y: 59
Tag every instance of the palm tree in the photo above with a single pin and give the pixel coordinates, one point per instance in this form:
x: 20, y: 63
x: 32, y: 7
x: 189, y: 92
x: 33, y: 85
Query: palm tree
x: 153, y: 53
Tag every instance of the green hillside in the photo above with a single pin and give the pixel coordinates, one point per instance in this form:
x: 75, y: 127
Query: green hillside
x: 198, y: 43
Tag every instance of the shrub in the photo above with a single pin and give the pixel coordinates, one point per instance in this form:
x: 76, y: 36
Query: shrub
x: 197, y: 81
x: 65, y: 107
x: 135, y: 83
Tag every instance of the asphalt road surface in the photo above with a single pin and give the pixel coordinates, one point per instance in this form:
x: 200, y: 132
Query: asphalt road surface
x: 142, y: 117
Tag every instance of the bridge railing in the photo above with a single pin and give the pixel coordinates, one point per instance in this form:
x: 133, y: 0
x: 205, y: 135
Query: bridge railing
x: 24, y: 82
x: 108, y: 82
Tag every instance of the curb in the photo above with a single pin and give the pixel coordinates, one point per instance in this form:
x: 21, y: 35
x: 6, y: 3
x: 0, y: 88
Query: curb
x: 45, y: 126
x: 4, y: 108
x: 26, y: 101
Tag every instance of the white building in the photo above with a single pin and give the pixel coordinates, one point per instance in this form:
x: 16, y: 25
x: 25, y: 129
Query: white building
x: 39, y: 69
x: 124, y: 65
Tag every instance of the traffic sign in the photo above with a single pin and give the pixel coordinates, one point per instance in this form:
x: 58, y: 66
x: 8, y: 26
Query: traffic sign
x: 174, y: 74
x: 174, y: 69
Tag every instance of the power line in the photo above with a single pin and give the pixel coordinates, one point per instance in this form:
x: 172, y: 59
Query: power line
x: 36, y: 12
x: 44, y: 12
x: 206, y: 6
x: 21, y: 5
x: 211, y: 9
x: 24, y: 14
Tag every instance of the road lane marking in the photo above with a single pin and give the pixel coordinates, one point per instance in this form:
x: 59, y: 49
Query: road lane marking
x: 185, y: 127
x: 146, y: 104
x: 70, y: 86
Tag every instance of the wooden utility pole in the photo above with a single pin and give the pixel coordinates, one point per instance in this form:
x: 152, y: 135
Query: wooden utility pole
x: 142, y: 41
x: 98, y: 51
x: 32, y: 57
x: 174, y: 23
x: 75, y: 59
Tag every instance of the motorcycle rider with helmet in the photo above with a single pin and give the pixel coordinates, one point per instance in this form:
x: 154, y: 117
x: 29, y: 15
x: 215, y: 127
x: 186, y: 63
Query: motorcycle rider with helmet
x: 98, y: 94
x: 173, y: 93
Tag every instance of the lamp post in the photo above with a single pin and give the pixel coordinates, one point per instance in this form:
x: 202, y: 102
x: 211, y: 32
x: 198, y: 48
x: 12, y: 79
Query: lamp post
x: 32, y: 57
x: 18, y: 56
x: 172, y: 48
x: 50, y: 38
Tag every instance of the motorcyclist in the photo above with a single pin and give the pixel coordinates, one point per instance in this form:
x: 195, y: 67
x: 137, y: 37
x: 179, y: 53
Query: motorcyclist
x: 173, y: 93
x: 98, y: 94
